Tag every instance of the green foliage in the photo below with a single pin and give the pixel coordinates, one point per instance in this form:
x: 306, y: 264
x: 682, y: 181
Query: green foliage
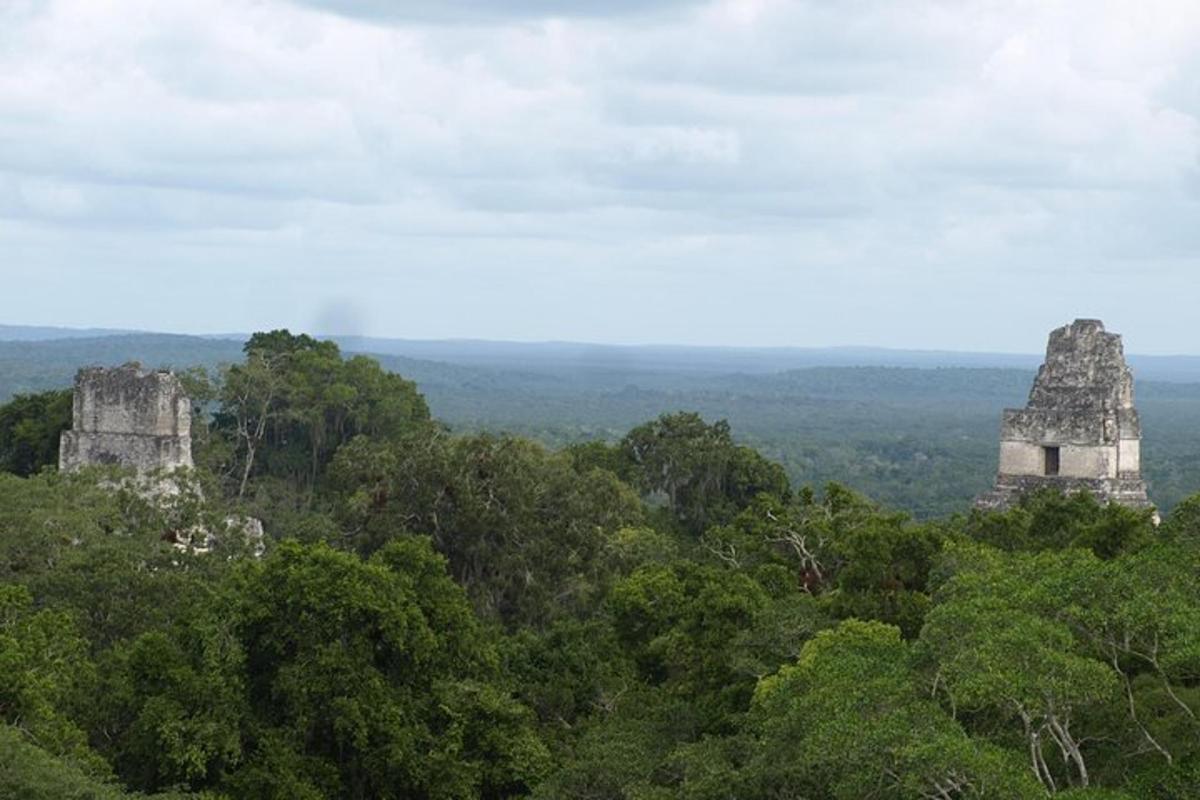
x: 170, y: 707
x: 43, y: 661
x: 678, y: 622
x: 1065, y: 645
x: 372, y: 677
x: 523, y: 531
x: 848, y: 720
x: 624, y: 752
x: 445, y: 616
x: 863, y: 562
x: 702, y: 476
x: 567, y: 672
x: 30, y: 427
x: 1183, y: 523
x: 887, y: 560
x: 30, y: 773
x: 295, y: 400
x: 923, y: 440
x: 1051, y: 520
x: 104, y: 554
x: 1168, y: 782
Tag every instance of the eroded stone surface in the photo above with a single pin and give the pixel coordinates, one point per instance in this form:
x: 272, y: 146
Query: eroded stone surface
x: 128, y: 418
x: 1080, y: 430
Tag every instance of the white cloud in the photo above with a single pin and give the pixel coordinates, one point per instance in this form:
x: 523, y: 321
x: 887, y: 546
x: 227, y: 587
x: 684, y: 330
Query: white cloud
x: 851, y: 145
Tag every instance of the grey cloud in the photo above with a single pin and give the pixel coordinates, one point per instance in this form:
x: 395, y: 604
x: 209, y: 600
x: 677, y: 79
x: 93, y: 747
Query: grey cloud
x: 843, y: 154
x: 135, y: 208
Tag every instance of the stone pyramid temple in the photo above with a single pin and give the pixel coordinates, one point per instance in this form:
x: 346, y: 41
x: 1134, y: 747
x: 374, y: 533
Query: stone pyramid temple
x: 1079, y: 431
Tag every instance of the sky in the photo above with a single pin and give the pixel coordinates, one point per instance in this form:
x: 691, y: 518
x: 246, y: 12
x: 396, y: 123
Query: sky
x: 949, y: 174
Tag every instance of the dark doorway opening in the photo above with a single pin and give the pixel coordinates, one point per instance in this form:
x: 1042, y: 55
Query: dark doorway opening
x: 1051, y: 454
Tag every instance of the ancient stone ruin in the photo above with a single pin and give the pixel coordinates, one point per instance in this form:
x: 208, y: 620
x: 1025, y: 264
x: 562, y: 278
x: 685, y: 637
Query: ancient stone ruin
x: 128, y: 418
x: 1079, y: 430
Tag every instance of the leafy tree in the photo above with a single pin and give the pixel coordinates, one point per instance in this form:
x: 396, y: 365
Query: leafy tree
x: 1137, y: 616
x: 718, y: 768
x: 849, y: 720
x: 252, y: 400
x: 30, y: 427
x: 679, y: 623
x: 1183, y: 523
x: 701, y: 475
x: 523, y: 532
x: 1177, y: 781
x: 587, y: 456
x: 887, y: 560
x: 568, y: 672
x: 106, y: 555
x: 860, y: 560
x: 211, y: 451
x: 624, y: 751
x: 170, y: 707
x: 686, y: 651
x: 43, y: 660
x: 1048, y: 519
x: 1140, y: 615
x: 1048, y: 641
x: 30, y: 773
x: 1024, y: 668
x: 295, y: 400
x: 371, y: 679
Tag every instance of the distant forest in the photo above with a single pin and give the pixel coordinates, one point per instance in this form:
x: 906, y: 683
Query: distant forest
x: 919, y: 438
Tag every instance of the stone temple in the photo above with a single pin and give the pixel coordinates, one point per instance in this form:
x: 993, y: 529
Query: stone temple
x: 128, y: 418
x: 1079, y: 430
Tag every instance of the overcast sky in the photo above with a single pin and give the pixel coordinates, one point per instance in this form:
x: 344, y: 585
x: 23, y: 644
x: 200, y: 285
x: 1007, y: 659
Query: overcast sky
x: 945, y: 174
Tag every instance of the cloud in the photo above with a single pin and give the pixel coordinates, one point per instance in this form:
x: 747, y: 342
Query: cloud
x: 804, y: 146
x: 491, y: 11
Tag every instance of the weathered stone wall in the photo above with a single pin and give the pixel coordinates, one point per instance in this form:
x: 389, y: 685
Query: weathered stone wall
x: 127, y: 400
x: 1081, y: 404
x: 129, y: 418
x: 1129, y: 458
x: 1075, y: 461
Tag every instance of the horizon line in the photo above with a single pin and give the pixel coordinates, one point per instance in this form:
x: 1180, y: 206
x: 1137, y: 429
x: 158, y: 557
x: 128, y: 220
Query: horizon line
x: 99, y: 332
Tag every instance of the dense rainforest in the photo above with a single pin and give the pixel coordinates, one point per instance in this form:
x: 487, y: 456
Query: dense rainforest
x: 660, y: 615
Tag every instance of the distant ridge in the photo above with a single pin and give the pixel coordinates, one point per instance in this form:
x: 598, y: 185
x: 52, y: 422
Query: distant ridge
x: 578, y: 357
x: 45, y: 333
x: 30, y: 365
x: 560, y: 356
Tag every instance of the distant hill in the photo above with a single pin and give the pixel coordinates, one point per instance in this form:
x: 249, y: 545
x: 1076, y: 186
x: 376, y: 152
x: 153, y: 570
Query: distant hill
x: 558, y: 356
x: 598, y: 359
x: 35, y: 333
x: 579, y: 358
x: 576, y: 357
x: 34, y: 366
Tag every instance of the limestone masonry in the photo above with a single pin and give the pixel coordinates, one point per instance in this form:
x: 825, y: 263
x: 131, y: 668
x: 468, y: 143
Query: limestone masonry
x: 1079, y: 430
x: 129, y: 418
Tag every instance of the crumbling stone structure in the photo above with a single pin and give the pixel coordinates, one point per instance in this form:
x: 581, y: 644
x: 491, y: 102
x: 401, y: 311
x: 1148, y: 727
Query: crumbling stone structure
x: 129, y: 418
x: 1080, y: 430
